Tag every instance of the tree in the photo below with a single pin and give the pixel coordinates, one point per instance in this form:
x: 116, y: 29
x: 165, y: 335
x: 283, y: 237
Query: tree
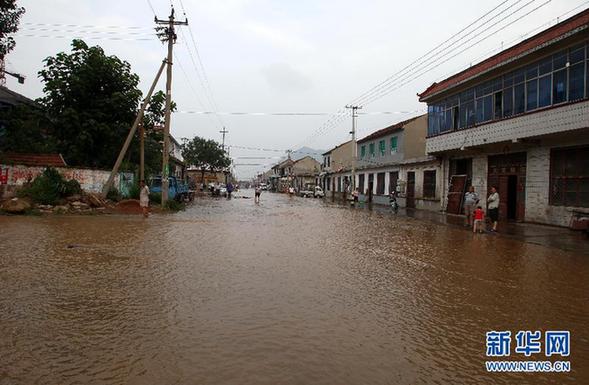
x: 25, y: 129
x: 205, y: 154
x: 93, y: 99
x: 10, y: 15
x: 154, y: 116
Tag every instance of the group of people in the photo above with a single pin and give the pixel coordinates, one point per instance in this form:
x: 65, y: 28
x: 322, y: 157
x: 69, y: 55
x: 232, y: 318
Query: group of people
x: 475, y: 215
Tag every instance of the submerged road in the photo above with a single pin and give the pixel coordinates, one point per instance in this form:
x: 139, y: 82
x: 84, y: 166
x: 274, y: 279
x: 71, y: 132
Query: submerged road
x: 290, y: 291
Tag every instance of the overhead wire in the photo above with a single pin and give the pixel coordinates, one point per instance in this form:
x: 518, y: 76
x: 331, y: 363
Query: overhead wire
x: 439, y: 49
x: 342, y: 113
x: 410, y: 77
x: 204, y: 78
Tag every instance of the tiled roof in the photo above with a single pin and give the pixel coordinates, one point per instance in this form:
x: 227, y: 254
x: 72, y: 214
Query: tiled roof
x: 388, y: 130
x: 580, y: 20
x: 53, y: 160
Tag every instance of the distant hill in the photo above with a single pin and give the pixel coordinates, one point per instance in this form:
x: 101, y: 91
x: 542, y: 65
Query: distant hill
x: 307, y: 151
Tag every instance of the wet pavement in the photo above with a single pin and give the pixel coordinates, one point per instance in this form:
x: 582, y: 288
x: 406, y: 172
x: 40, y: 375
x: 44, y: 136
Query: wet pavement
x: 291, y: 291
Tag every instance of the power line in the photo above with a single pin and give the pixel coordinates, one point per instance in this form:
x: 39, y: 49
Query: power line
x: 341, y: 114
x: 205, y: 79
x: 83, y: 37
x: 432, y: 50
x: 518, y: 39
x: 410, y: 76
x: 239, y: 113
x: 86, y: 26
x: 441, y: 48
x: 86, y: 30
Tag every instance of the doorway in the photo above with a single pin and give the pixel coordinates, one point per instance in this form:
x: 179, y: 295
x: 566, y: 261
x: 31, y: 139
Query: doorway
x: 507, y: 173
x: 411, y: 189
x: 512, y: 197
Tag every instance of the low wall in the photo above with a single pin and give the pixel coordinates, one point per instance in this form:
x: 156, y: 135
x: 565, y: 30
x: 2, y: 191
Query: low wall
x: 14, y: 176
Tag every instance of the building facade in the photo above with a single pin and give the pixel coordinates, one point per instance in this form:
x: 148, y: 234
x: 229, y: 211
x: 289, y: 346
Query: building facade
x: 177, y: 165
x: 304, y: 173
x: 337, y: 166
x: 395, y: 159
x: 519, y: 121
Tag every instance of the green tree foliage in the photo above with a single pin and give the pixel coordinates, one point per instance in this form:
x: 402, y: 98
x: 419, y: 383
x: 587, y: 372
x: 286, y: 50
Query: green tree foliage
x: 25, y: 129
x: 10, y: 15
x: 93, y: 100
x: 205, y: 154
x: 49, y: 187
x: 152, y: 119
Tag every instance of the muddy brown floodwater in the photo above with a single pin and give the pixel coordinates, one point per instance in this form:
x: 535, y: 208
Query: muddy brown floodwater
x: 291, y: 291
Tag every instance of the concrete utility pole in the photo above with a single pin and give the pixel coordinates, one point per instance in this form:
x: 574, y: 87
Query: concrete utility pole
x: 169, y: 35
x: 224, y: 131
x: 138, y: 119
x: 141, y: 151
x: 354, y: 147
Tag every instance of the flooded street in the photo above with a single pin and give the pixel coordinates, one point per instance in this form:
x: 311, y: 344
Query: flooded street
x: 291, y: 291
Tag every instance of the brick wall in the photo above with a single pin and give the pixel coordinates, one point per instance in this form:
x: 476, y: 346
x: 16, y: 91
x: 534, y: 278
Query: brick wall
x: 89, y: 179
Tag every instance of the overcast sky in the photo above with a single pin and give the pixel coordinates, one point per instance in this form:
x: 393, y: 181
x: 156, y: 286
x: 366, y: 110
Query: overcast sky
x: 277, y: 56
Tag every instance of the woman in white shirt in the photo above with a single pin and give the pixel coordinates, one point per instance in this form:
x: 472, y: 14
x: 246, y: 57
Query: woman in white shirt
x: 493, y: 207
x: 144, y: 198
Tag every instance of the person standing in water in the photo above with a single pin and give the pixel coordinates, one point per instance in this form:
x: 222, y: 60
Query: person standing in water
x: 493, y: 207
x: 144, y: 198
x: 471, y: 200
x: 258, y: 192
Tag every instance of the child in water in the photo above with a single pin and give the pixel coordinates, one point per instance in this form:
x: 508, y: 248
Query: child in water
x: 479, y: 216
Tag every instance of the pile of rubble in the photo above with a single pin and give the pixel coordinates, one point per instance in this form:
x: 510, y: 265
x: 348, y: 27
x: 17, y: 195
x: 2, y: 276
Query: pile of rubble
x: 86, y: 203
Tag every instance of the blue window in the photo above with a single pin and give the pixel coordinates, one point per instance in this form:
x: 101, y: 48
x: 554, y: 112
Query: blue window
x: 544, y: 90
x: 519, y: 96
x: 552, y: 80
x: 381, y: 147
x: 371, y: 149
x: 532, y: 95
x: 545, y: 66
x: 559, y: 86
x: 479, y: 109
x: 508, y: 101
x: 576, y: 81
x: 488, y: 107
x: 559, y: 60
x: 362, y: 152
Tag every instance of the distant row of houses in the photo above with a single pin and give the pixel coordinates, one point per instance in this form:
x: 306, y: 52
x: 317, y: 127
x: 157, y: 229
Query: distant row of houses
x: 517, y: 121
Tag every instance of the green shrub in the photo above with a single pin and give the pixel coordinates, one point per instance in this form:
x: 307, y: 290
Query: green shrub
x: 49, y: 187
x: 155, y: 198
x: 134, y: 191
x: 71, y: 187
x: 174, y: 205
x: 113, y: 194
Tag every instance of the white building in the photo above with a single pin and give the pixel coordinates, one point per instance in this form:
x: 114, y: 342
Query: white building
x: 519, y: 121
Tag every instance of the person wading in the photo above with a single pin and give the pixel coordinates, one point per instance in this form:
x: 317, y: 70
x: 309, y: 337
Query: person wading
x: 471, y: 199
x: 257, y: 193
x: 144, y: 198
x: 493, y: 207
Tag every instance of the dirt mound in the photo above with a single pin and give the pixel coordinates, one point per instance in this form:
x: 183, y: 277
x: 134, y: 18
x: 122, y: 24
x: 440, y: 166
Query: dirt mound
x: 128, y: 206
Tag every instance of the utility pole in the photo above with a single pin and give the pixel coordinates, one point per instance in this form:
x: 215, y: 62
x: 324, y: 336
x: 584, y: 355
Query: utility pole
x: 354, y: 147
x: 168, y: 34
x: 141, y: 151
x: 224, y: 131
x: 138, y: 119
x: 226, y: 172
